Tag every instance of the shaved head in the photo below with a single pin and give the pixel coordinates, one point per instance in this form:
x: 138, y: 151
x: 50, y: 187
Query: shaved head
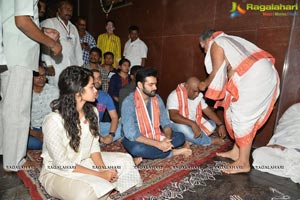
x: 191, y: 86
x: 193, y: 80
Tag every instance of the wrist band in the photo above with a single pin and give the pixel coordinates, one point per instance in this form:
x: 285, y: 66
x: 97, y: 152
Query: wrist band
x: 112, y: 134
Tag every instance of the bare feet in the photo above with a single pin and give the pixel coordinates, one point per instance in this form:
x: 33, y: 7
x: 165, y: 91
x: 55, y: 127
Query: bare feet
x: 229, y: 154
x: 187, y: 145
x: 106, y: 139
x: 182, y: 151
x: 237, y: 167
x: 137, y: 160
x: 217, y: 140
x: 233, y: 154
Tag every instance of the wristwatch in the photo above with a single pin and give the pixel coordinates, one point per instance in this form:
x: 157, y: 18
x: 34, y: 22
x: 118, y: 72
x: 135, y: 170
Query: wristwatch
x: 112, y: 134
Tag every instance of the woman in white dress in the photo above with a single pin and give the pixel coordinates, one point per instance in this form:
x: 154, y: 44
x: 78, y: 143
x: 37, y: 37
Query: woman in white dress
x: 73, y: 165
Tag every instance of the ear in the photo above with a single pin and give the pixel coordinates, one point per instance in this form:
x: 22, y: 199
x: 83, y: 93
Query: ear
x: 77, y: 95
x: 140, y: 85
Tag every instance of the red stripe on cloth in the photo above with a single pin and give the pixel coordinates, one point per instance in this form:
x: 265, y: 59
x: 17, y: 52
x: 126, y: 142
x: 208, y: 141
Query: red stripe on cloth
x: 35, y: 195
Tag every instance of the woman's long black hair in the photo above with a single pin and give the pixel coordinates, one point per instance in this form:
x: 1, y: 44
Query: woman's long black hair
x: 72, y: 80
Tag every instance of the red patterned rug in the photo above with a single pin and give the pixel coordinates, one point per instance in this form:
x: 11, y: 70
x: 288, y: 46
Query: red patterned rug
x: 156, y: 174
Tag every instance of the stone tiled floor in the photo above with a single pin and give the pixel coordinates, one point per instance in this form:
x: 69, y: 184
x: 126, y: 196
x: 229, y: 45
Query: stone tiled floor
x: 251, y: 186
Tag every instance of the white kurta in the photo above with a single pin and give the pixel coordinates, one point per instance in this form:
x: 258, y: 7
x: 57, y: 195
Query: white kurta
x: 60, y: 158
x: 71, y: 49
x: 285, y: 163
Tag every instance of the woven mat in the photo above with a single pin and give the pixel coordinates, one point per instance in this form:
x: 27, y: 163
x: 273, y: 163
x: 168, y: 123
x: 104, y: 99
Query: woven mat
x: 156, y: 174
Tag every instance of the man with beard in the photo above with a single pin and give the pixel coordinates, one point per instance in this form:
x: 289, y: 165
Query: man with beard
x: 69, y: 39
x: 143, y: 113
x: 95, y: 56
x: 42, y: 95
x: 109, y: 131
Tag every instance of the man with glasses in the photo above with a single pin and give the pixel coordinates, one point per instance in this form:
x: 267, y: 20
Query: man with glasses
x: 42, y: 95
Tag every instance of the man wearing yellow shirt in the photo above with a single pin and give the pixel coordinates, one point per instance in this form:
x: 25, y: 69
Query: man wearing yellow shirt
x: 110, y: 42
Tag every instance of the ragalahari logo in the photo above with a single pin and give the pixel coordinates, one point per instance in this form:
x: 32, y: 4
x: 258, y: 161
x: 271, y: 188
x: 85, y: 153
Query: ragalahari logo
x: 236, y: 10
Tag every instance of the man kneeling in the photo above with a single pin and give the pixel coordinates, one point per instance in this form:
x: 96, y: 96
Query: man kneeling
x: 143, y: 113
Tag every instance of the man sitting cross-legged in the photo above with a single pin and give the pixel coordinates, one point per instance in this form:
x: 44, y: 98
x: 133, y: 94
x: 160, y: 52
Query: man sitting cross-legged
x: 109, y: 131
x: 186, y: 107
x: 145, y: 123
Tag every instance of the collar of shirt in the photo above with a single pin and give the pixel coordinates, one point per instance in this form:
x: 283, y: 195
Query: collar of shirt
x: 135, y: 41
x: 66, y: 27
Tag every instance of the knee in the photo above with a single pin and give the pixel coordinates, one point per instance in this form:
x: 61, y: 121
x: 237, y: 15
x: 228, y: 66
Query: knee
x: 85, y: 192
x: 137, y: 149
x: 178, y: 139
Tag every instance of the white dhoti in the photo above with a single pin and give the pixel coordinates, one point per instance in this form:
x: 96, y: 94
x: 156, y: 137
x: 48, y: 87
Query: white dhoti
x: 249, y: 95
x: 257, y: 92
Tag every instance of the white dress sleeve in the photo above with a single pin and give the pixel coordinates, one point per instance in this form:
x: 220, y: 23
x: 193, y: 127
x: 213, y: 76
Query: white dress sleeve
x: 56, y: 144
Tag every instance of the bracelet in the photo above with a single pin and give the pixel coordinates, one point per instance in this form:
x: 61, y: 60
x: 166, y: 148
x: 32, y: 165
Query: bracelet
x: 112, y: 134
x: 219, y: 125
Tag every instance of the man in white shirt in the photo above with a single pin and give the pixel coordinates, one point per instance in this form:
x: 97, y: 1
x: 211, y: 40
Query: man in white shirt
x: 135, y: 49
x: 69, y: 39
x: 21, y: 38
x: 186, y: 107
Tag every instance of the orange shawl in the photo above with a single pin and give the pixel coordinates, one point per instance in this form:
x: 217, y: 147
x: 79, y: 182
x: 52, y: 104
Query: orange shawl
x: 148, y: 128
x: 182, y: 96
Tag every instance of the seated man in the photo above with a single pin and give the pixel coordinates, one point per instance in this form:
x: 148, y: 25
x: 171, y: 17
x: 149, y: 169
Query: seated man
x: 143, y: 115
x: 109, y: 131
x: 42, y: 95
x: 281, y: 156
x: 185, y: 106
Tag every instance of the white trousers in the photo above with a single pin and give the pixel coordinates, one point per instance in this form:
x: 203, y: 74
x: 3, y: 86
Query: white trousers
x: 16, y: 89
